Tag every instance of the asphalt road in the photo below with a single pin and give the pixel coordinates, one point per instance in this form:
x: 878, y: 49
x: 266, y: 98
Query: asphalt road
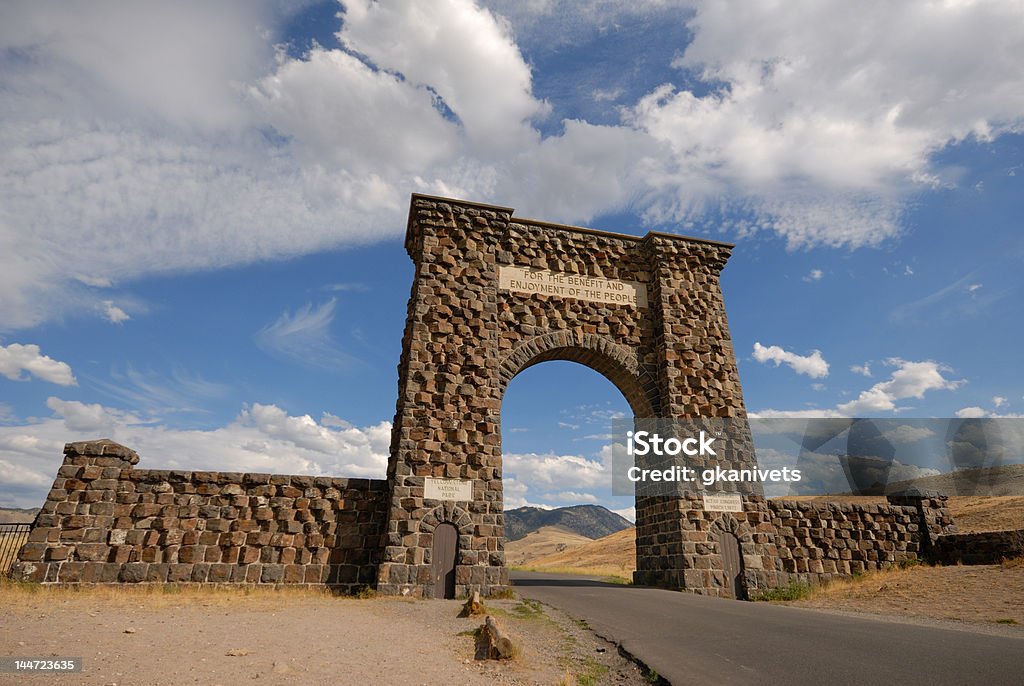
x: 690, y: 639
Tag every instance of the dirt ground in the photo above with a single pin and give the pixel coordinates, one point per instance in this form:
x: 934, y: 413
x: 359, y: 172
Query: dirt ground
x: 228, y: 636
x: 976, y: 596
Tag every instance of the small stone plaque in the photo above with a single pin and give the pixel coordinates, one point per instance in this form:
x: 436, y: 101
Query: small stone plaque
x: 529, y: 281
x: 723, y: 503
x: 447, y: 489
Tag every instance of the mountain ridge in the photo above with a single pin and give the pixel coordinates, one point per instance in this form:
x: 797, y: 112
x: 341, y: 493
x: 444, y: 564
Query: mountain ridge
x: 590, y: 521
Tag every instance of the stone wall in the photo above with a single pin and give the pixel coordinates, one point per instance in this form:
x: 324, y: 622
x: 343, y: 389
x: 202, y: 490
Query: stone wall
x: 979, y: 548
x: 106, y: 521
x: 787, y: 540
x: 818, y: 541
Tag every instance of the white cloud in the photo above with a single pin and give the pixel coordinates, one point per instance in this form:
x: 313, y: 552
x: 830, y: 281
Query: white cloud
x: 972, y: 412
x: 573, y: 497
x: 813, y: 365
x: 847, y: 131
x: 908, y: 434
x: 263, y: 438
x: 113, y: 313
x: 627, y: 513
x: 814, y: 275
x: 606, y: 95
x: 334, y: 108
x: 463, y: 53
x: 973, y: 287
x: 999, y: 401
x: 792, y: 414
x: 862, y: 369
x: 127, y: 153
x: 556, y: 471
x: 305, y: 338
x: 17, y: 358
x: 909, y: 380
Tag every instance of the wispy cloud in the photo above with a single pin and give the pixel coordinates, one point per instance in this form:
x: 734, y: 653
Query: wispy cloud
x: 153, y: 393
x: 347, y: 287
x: 962, y: 298
x: 305, y: 338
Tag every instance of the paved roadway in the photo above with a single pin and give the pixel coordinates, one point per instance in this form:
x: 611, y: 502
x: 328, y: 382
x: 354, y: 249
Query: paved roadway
x: 691, y: 639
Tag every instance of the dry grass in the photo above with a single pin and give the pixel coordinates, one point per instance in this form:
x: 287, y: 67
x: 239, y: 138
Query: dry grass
x: 1013, y: 563
x: 14, y: 594
x: 982, y: 594
x: 611, y: 556
x: 547, y: 540
x: 987, y: 513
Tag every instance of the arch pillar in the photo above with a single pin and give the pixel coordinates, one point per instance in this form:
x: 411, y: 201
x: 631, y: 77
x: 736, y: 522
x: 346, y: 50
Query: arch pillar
x: 647, y: 313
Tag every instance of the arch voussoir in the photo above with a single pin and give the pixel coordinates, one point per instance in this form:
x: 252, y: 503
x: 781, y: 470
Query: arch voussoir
x: 617, y: 362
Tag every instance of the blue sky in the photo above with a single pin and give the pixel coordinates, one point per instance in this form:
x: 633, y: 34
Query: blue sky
x: 202, y: 207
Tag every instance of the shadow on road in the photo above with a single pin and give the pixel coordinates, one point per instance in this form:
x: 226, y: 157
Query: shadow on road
x: 518, y: 580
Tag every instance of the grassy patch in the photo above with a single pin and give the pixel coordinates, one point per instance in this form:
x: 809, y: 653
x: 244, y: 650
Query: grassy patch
x: 793, y: 591
x: 591, y: 673
x: 1006, y: 620
x: 528, y: 609
x: 617, y: 580
x: 607, y: 572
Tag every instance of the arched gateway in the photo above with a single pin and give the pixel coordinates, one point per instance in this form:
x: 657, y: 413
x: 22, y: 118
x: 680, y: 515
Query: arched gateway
x: 493, y: 295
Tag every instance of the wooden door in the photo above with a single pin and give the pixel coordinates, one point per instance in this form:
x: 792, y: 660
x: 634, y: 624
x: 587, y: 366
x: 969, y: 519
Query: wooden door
x: 446, y: 543
x: 732, y: 563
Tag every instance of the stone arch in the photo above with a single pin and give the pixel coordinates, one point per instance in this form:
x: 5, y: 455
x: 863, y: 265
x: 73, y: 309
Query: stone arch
x: 447, y: 512
x: 615, y: 362
x: 646, y: 312
x: 728, y: 524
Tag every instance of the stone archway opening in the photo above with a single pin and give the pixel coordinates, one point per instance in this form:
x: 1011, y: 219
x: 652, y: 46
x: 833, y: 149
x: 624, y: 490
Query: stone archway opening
x: 556, y: 416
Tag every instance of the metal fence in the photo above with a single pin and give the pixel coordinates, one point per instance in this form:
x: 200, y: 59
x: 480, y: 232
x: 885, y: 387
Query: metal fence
x: 12, y: 537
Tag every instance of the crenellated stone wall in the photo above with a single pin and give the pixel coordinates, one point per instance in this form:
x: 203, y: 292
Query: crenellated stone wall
x: 106, y: 521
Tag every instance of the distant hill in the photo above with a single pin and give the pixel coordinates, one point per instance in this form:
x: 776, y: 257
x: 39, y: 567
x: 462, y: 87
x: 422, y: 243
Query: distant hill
x: 591, y: 521
x: 13, y: 515
x: 546, y: 540
x: 613, y: 555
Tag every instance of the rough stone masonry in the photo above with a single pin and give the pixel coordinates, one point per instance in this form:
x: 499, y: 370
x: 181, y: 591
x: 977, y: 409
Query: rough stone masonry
x: 493, y: 295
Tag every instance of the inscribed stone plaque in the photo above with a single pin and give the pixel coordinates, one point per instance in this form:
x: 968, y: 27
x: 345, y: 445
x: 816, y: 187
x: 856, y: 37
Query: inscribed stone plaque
x: 447, y: 489
x: 723, y: 503
x: 580, y: 287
